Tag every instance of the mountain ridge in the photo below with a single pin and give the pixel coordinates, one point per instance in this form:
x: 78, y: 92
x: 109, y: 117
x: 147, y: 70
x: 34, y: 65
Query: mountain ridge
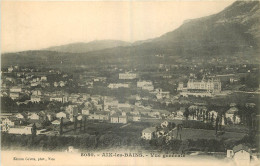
x: 233, y: 32
x: 83, y: 47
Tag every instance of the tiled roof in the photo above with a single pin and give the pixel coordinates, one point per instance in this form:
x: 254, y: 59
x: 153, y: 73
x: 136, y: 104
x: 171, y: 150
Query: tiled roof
x: 232, y: 110
x: 241, y: 147
x: 149, y: 130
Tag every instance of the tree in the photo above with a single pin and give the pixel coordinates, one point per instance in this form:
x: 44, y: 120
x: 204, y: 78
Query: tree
x: 216, y: 126
x: 75, y: 124
x: 33, y: 133
x: 179, y: 129
x: 212, y: 118
x: 186, y: 113
x: 80, y: 125
x: 61, y: 126
x: 85, y: 120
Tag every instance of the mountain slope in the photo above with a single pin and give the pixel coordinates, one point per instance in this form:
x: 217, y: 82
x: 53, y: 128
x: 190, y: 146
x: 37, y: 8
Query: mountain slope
x: 233, y: 33
x: 87, y: 47
x: 230, y: 31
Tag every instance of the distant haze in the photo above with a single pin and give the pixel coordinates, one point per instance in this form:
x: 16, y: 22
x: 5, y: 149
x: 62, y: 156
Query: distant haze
x: 38, y: 25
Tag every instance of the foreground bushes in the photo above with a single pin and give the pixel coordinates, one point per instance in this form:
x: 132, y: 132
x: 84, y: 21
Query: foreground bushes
x: 92, y: 142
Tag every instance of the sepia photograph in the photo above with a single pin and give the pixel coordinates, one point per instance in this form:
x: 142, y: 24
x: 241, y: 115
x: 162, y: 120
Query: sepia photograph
x: 120, y: 83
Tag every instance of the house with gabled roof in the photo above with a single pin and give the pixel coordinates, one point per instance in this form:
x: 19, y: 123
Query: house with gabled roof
x: 61, y: 115
x: 58, y: 121
x: 20, y: 116
x: 33, y: 116
x: 148, y: 133
x: 241, y: 154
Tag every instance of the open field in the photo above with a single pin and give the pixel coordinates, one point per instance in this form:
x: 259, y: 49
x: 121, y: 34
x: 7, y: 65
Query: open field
x: 134, y: 129
x: 92, y: 128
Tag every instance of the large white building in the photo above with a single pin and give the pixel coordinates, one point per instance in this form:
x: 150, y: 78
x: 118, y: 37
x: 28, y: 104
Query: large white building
x: 203, y: 88
x: 210, y: 85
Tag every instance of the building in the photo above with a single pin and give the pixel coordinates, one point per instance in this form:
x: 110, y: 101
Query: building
x: 33, y: 84
x: 145, y: 85
x: 43, y: 78
x: 180, y: 86
x: 10, y: 69
x: 55, y: 84
x: 71, y: 149
x: 240, y: 154
x: 14, y: 96
x: 110, y: 102
x: 118, y: 85
x: 231, y: 115
x: 210, y: 85
x: 34, y: 116
x: 196, y: 94
x: 72, y: 109
x: 61, y: 115
x: 118, y: 119
x: 21, y: 130
x: 161, y: 94
x: 213, y: 114
x: 36, y: 93
x: 148, y: 133
x: 62, y: 83
x: 16, y: 89
x: 154, y: 114
x: 164, y: 124
x: 124, y: 105
x: 85, y: 111
x: 127, y: 76
x: 203, y: 88
x: 180, y: 114
x: 35, y: 99
x: 99, y: 116
x: 6, y: 124
x: 19, y: 116
x: 59, y: 98
x: 136, y: 118
x: 57, y: 122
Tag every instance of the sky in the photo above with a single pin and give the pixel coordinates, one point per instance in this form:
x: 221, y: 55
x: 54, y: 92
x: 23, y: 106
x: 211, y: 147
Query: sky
x: 32, y: 25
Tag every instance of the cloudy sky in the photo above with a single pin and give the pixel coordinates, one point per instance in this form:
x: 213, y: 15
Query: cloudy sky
x: 36, y: 25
